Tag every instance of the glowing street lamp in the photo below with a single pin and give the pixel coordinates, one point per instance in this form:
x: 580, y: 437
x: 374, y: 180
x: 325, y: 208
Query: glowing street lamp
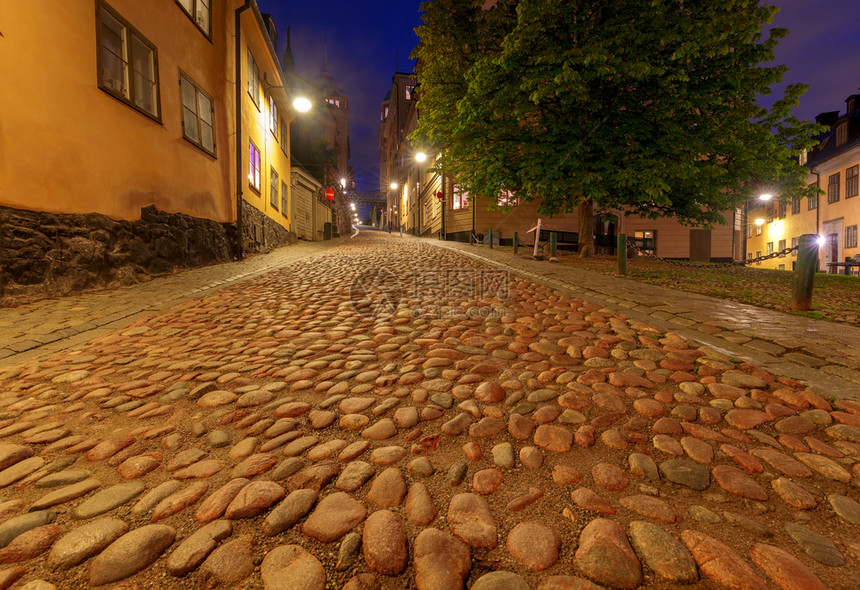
x: 352, y: 206
x: 420, y: 157
x: 765, y: 197
x: 394, y: 186
x: 759, y: 221
x: 302, y: 104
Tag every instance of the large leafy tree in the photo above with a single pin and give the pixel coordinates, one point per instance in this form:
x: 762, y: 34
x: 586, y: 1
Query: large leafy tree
x: 645, y: 107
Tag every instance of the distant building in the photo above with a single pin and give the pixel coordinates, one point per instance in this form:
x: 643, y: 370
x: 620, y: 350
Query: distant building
x: 834, y: 166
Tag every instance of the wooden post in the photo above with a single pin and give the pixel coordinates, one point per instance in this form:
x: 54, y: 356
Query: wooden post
x: 804, y: 273
x: 515, y: 243
x: 537, y: 239
x: 553, y: 254
x: 622, y: 254
x: 490, y: 234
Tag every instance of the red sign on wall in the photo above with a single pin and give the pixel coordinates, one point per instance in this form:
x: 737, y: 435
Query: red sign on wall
x: 329, y: 194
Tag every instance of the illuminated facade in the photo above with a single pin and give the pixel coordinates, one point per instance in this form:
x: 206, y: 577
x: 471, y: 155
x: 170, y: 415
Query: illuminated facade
x: 140, y: 108
x: 834, y: 215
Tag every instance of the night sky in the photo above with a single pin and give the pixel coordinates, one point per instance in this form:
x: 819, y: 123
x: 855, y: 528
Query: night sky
x: 823, y: 50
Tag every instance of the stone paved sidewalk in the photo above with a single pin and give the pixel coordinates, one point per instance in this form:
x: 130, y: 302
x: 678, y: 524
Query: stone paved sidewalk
x: 347, y: 421
x: 823, y: 354
x: 33, y: 330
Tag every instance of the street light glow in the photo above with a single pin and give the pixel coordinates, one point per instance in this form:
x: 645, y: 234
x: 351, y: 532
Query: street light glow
x: 302, y: 104
x: 352, y: 206
x: 343, y: 182
x: 393, y: 186
x: 420, y: 157
x: 759, y: 221
x: 820, y: 241
x: 765, y: 197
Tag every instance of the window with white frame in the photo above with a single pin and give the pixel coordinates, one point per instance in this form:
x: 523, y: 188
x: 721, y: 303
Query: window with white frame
x: 768, y: 248
x: 460, y: 198
x: 285, y: 138
x: 646, y: 240
x: 284, y: 198
x: 781, y: 246
x: 200, y: 12
x: 794, y: 242
x: 851, y: 185
x: 253, y: 79
x: 795, y: 206
x: 833, y: 188
x: 274, y: 183
x: 198, y: 114
x: 508, y: 199
x: 812, y: 203
x: 757, y: 229
x: 750, y: 227
x: 127, y: 63
x: 749, y: 255
x: 273, y: 116
x: 253, y: 166
x: 758, y: 255
x: 851, y: 236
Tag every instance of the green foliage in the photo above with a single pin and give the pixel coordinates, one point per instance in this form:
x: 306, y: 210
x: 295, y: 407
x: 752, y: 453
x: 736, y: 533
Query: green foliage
x: 649, y: 105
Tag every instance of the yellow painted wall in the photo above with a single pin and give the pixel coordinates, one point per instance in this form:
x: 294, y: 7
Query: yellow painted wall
x: 255, y: 124
x: 67, y: 146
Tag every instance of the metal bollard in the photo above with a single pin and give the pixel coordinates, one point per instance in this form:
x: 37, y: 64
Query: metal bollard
x: 553, y: 254
x: 622, y: 254
x: 804, y: 273
x: 490, y: 233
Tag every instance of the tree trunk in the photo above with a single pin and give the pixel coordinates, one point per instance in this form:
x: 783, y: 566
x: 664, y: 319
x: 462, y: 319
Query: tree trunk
x: 586, y: 229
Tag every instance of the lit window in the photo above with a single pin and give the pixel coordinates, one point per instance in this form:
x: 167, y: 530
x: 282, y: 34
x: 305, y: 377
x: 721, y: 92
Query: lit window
x: 851, y: 236
x: 274, y: 183
x: 197, y: 115
x: 273, y: 116
x: 833, y: 188
x: 460, y: 198
x: 254, y: 166
x: 645, y: 240
x: 409, y: 90
x: 851, y: 184
x: 200, y: 13
x: 253, y: 79
x: 507, y: 199
x: 757, y: 229
x: 128, y: 64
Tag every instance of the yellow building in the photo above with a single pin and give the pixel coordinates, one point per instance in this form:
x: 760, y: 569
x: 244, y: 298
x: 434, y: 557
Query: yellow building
x: 134, y: 104
x: 774, y: 225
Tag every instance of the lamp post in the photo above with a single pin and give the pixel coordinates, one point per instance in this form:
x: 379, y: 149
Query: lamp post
x: 393, y: 186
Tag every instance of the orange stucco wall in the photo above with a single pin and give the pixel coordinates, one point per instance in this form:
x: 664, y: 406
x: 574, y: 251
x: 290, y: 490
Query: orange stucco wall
x: 67, y: 146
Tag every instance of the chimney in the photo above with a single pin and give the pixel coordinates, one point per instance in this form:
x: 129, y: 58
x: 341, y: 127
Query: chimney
x: 852, y: 103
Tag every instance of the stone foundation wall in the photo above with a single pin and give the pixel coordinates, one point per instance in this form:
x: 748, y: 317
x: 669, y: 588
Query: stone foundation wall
x: 46, y: 254
x: 260, y: 233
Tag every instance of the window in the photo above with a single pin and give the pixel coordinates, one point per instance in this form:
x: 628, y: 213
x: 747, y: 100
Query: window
x: 812, y: 203
x: 409, y: 91
x: 758, y: 255
x: 200, y: 13
x: 833, y: 188
x: 273, y: 116
x: 757, y: 229
x: 128, y: 63
x: 795, y: 206
x: 801, y: 159
x: 781, y: 246
x: 750, y: 227
x: 253, y: 79
x: 460, y: 199
x: 780, y: 267
x: 197, y: 114
x: 851, y: 236
x: 274, y: 183
x: 768, y: 248
x: 284, y: 198
x: 794, y: 243
x: 646, y: 240
x: 769, y: 210
x: 841, y: 133
x: 851, y: 181
x: 285, y: 138
x: 782, y: 206
x: 507, y: 199
x: 749, y: 255
x: 254, y: 166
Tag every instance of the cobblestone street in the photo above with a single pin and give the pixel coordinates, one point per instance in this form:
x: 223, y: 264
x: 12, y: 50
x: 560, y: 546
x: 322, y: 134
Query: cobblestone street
x: 388, y: 413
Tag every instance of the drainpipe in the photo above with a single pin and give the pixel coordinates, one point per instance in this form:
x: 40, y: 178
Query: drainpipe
x: 239, y: 192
